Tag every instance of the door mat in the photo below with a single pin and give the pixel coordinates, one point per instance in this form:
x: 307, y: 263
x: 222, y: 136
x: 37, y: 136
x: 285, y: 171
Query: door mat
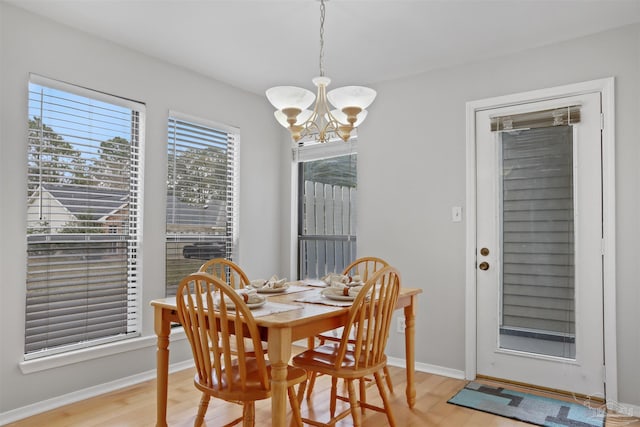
x: 538, y: 410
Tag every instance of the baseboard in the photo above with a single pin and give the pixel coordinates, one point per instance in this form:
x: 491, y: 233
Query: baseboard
x: 621, y: 412
x: 428, y: 368
x: 87, y: 393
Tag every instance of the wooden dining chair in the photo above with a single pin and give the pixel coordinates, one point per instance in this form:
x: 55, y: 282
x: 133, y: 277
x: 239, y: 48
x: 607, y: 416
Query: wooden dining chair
x: 233, y: 275
x: 226, y: 270
x: 361, y: 350
x: 363, y: 267
x: 216, y: 320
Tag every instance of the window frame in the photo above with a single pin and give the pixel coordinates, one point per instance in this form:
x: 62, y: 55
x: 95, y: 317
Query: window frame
x: 134, y: 262
x: 306, y: 152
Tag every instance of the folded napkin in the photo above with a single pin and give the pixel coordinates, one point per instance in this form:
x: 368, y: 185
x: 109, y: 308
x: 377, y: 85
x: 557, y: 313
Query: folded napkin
x: 274, y: 283
x: 331, y: 278
x: 340, y: 288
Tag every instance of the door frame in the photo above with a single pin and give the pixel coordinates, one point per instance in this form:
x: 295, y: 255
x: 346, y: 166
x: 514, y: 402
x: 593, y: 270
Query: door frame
x: 606, y: 88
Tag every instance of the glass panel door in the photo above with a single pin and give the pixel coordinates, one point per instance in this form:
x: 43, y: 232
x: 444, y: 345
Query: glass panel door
x: 539, y: 248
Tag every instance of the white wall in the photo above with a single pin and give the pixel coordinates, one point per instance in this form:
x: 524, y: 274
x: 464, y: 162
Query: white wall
x: 31, y: 44
x: 411, y: 168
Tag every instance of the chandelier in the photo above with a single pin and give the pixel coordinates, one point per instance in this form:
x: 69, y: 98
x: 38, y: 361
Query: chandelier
x: 322, y: 123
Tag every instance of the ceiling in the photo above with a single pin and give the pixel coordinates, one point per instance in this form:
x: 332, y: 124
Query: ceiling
x: 257, y: 44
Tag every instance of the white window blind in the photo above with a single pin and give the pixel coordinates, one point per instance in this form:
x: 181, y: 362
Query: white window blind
x: 83, y: 217
x: 202, y: 195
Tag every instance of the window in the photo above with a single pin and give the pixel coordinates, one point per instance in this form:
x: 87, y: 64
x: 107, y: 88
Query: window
x: 327, y: 176
x: 202, y: 195
x: 83, y: 217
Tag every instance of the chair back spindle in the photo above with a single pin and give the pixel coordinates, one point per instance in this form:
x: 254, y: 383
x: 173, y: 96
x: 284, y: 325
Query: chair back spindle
x: 365, y: 267
x: 227, y: 271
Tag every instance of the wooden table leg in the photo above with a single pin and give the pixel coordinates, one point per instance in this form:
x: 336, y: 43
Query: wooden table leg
x: 279, y: 355
x: 409, y: 336
x: 162, y: 328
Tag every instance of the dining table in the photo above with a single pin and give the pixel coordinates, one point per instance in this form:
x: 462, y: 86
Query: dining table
x: 298, y: 313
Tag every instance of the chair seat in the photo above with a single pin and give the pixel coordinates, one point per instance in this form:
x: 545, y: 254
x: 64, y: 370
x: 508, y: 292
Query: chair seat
x: 252, y: 384
x: 322, y: 359
x: 333, y: 335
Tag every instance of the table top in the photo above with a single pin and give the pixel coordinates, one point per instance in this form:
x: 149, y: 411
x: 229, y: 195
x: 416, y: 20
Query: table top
x: 305, y: 312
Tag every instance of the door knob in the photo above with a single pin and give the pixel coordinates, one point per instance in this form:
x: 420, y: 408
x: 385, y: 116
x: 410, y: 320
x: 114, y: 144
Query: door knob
x: 484, y: 251
x: 484, y: 266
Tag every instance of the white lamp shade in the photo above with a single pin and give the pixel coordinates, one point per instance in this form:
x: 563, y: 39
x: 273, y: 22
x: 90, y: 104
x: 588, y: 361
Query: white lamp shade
x: 302, y: 117
x: 351, y: 96
x: 290, y: 97
x: 342, y: 117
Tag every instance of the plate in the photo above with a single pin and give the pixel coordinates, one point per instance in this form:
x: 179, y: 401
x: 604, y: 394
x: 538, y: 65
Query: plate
x: 251, y: 305
x: 268, y: 290
x: 256, y: 304
x: 332, y: 295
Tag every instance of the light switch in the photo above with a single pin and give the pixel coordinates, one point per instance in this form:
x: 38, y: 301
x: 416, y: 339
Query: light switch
x: 456, y: 214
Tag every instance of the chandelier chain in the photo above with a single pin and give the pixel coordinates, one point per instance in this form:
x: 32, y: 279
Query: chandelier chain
x: 322, y: 11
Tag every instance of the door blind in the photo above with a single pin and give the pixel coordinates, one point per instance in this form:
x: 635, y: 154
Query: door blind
x: 83, y: 218
x: 538, y: 234
x: 564, y: 116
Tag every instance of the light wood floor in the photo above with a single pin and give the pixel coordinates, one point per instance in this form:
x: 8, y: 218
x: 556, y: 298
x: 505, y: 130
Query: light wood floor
x: 135, y: 406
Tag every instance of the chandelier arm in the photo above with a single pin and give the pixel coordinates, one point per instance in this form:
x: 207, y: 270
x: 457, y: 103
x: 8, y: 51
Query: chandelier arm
x: 322, y: 120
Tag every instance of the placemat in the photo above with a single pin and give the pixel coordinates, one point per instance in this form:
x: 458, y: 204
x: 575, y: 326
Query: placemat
x: 317, y: 298
x: 315, y: 283
x: 290, y: 290
x: 273, y: 308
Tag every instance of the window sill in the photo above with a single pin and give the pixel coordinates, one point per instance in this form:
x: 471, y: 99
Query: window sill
x: 85, y: 354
